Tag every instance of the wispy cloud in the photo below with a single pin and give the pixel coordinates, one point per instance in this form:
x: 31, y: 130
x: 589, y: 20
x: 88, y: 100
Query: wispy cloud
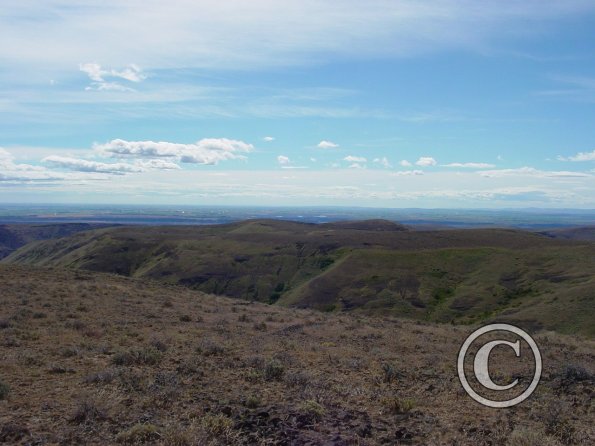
x: 431, y: 116
x: 256, y: 33
x: 571, y: 87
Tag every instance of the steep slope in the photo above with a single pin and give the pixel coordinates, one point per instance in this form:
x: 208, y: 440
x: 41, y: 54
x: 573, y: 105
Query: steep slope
x: 546, y: 287
x: 457, y: 276
x: 14, y: 236
x: 98, y: 359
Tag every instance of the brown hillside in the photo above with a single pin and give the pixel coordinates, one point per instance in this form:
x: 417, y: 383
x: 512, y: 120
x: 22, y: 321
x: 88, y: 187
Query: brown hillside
x: 93, y: 358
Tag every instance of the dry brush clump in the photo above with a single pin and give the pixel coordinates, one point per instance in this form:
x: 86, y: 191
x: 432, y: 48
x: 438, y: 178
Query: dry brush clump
x: 4, y: 390
x: 137, y: 356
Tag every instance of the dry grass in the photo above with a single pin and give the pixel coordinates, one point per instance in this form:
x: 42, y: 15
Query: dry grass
x: 122, y: 361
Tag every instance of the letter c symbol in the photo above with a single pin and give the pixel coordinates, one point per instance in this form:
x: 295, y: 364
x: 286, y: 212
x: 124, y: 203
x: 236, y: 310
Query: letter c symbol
x: 480, y: 364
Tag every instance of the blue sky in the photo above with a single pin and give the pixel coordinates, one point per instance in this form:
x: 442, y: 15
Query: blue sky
x: 379, y: 103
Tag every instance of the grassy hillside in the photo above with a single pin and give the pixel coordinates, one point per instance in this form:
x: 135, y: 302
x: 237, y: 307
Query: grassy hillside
x: 14, y: 236
x: 92, y: 358
x: 460, y: 276
x: 547, y: 287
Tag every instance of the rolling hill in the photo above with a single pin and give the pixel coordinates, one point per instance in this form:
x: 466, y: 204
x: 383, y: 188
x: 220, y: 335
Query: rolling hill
x: 376, y: 267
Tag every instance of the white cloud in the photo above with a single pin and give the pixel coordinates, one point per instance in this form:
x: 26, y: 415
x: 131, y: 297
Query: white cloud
x: 357, y: 166
x: 470, y: 165
x: 98, y: 75
x: 93, y: 70
x: 327, y: 145
x: 408, y: 173
x: 283, y: 160
x: 532, y: 172
x: 7, y: 163
x: 83, y: 165
x: 131, y: 73
x: 5, y: 156
x: 268, y: 139
x: 354, y: 159
x: 313, y: 160
x: 157, y: 164
x: 205, y: 151
x: 426, y: 161
x: 581, y: 156
x: 383, y: 161
x: 13, y: 173
x: 405, y: 163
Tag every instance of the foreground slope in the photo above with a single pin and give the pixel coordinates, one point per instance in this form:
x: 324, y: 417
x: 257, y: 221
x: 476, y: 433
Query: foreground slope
x: 92, y: 358
x: 460, y: 276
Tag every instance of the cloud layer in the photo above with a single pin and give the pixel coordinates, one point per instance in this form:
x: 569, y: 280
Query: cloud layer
x: 256, y: 33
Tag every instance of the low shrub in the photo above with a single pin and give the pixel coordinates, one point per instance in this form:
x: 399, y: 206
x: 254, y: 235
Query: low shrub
x: 88, y: 411
x: 208, y: 347
x: 218, y: 426
x: 397, y: 405
x: 144, y: 356
x: 273, y: 370
x: 312, y: 409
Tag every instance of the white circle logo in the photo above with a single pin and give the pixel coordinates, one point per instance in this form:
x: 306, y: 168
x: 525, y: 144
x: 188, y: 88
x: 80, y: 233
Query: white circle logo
x: 480, y: 365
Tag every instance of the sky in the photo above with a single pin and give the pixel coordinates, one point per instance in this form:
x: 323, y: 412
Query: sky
x: 434, y: 104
